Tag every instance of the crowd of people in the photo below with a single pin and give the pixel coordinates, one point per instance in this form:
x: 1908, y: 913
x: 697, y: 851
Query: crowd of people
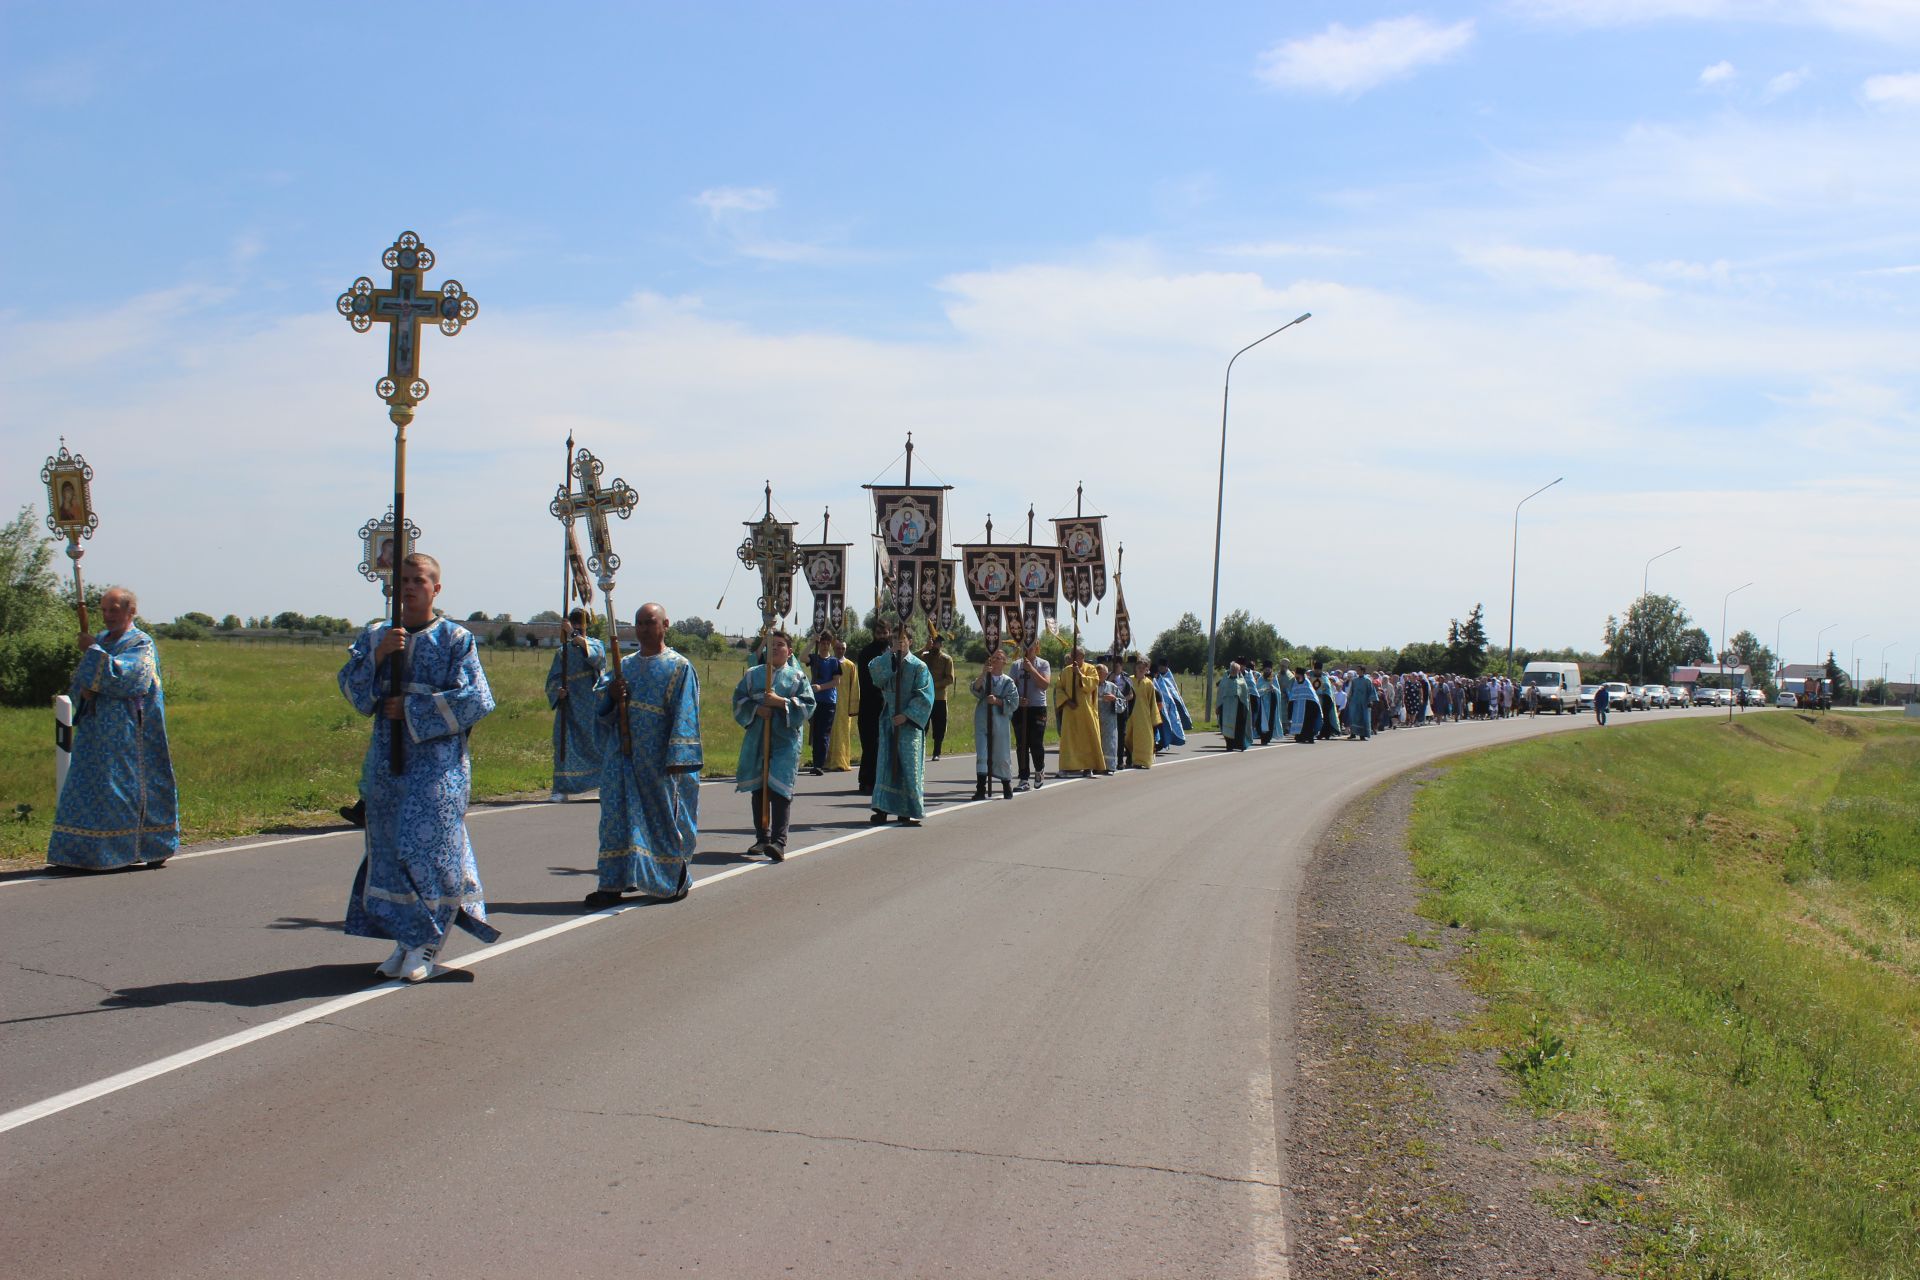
x: 634, y: 736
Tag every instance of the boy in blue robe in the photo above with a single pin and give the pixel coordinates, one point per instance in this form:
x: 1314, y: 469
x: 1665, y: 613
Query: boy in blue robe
x: 118, y: 806
x: 998, y: 697
x: 649, y: 801
x: 417, y: 878
x: 906, y: 703
x: 770, y: 752
x: 576, y: 729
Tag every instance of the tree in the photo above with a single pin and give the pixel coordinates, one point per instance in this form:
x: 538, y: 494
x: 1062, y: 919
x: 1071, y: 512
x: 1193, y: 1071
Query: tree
x: 1244, y: 638
x: 479, y: 615
x: 1422, y: 655
x: 693, y: 626
x: 1696, y: 646
x: 1745, y: 650
x: 1183, y: 646
x: 506, y: 635
x: 548, y: 616
x: 288, y: 620
x: 1651, y: 640
x: 36, y: 628
x: 230, y: 623
x: 1467, y: 644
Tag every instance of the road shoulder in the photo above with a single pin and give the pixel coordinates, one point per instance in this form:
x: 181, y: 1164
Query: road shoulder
x: 1408, y: 1152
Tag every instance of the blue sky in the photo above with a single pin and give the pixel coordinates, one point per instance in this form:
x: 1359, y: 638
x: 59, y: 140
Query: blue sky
x: 1667, y: 248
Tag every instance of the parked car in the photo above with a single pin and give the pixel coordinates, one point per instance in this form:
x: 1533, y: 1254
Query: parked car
x: 1619, y: 696
x: 1656, y: 696
x: 1586, y: 696
x: 1678, y: 695
x: 1787, y: 698
x: 1722, y: 697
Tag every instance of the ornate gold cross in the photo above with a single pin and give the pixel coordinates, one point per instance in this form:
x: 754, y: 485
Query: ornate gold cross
x: 403, y: 307
x: 596, y: 504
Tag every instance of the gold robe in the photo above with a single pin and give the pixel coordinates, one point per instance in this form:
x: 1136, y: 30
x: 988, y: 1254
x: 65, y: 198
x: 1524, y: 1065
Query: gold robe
x: 1143, y: 721
x: 1076, y: 692
x: 845, y: 721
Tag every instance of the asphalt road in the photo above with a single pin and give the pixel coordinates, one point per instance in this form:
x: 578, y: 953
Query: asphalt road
x: 1038, y: 1037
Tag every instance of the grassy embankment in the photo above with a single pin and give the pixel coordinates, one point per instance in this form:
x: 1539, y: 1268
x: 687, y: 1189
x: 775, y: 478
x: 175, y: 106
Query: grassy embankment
x: 1702, y: 946
x: 262, y: 738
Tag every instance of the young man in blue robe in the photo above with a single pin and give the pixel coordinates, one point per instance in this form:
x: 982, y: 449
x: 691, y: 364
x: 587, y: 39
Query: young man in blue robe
x: 1113, y: 704
x: 650, y: 800
x: 417, y: 878
x: 997, y: 698
x: 118, y: 806
x: 906, y: 703
x: 571, y: 679
x: 770, y: 753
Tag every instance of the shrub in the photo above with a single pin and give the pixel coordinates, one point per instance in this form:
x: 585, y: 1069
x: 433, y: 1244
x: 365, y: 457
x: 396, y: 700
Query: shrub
x: 34, y: 666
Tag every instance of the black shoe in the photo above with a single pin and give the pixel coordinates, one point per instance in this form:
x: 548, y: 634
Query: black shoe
x: 355, y: 813
x: 603, y: 898
x: 905, y: 821
x: 980, y: 792
x: 1006, y: 791
x: 936, y: 755
x: 756, y: 848
x: 778, y: 852
x: 878, y: 819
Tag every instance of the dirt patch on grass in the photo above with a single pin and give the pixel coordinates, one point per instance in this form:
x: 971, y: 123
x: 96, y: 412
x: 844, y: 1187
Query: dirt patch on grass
x: 1409, y: 1152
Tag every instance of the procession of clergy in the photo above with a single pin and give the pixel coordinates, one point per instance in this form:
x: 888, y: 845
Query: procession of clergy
x: 418, y: 879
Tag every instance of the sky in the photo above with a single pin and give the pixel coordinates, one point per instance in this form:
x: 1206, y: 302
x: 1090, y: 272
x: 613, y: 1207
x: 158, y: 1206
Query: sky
x: 1667, y: 251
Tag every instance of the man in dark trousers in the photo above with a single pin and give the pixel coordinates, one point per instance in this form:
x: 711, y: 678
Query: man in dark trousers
x: 870, y: 704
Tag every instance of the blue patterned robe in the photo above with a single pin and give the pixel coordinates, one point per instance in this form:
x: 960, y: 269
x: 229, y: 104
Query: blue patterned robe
x: 575, y: 722
x: 119, y: 805
x: 650, y: 804
x: 999, y: 762
x: 1231, y: 700
x: 1256, y: 705
x: 418, y: 878
x: 1173, y: 708
x: 1273, y: 703
x: 900, y: 784
x: 791, y: 683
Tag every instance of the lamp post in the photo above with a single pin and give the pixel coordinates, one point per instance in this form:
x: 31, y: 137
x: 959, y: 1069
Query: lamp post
x: 1219, y: 503
x: 1643, y: 597
x: 1883, y: 670
x: 1723, y: 641
x: 1853, y: 664
x: 1818, y: 636
x: 1513, y: 581
x: 1777, y: 663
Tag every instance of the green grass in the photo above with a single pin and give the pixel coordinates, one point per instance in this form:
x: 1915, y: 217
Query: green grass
x: 263, y: 740
x: 1702, y: 944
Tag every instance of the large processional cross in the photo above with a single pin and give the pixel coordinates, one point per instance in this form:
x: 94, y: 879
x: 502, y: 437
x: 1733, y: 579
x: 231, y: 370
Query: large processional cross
x: 596, y: 504
x: 403, y: 306
x: 769, y: 547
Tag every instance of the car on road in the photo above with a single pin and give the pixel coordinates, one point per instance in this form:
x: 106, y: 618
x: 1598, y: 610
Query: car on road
x: 1586, y: 696
x: 1721, y: 697
x: 1558, y: 683
x: 1679, y: 696
x: 1619, y: 696
x: 1656, y: 695
x: 1786, y: 698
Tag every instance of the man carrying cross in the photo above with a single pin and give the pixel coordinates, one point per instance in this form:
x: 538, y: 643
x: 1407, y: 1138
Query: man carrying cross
x: 417, y: 878
x: 650, y: 800
x: 774, y: 700
x: 906, y: 703
x: 576, y: 730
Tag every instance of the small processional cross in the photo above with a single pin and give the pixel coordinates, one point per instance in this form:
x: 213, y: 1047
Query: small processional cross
x: 769, y: 547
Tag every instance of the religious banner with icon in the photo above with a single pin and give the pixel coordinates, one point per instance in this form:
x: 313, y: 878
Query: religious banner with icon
x: 907, y: 520
x: 944, y: 614
x: 1037, y: 579
x: 988, y: 572
x: 1083, y: 576
x: 69, y: 482
x: 1122, y: 624
x: 378, y: 547
x: 825, y: 565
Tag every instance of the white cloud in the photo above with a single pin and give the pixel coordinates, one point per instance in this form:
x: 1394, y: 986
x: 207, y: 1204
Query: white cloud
x: 1719, y: 73
x: 1785, y: 83
x: 1902, y: 90
x: 720, y: 201
x: 1561, y: 269
x: 1345, y: 60
x: 1275, y: 249
x: 1885, y: 19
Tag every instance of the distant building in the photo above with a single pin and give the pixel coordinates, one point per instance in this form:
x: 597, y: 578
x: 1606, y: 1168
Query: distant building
x: 1736, y: 677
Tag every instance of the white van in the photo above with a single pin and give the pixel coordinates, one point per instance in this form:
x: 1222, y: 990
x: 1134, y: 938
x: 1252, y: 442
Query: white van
x: 1558, y: 682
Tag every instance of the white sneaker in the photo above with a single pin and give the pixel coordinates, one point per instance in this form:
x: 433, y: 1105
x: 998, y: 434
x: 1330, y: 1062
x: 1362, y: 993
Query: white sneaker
x: 390, y: 967
x: 417, y: 964
x: 557, y: 798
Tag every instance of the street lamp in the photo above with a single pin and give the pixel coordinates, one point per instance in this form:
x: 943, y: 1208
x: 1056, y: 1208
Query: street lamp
x: 1723, y: 641
x: 1818, y: 636
x: 1883, y: 670
x: 1219, y: 503
x: 1853, y: 664
x: 1776, y: 641
x: 1513, y: 581
x: 1643, y: 622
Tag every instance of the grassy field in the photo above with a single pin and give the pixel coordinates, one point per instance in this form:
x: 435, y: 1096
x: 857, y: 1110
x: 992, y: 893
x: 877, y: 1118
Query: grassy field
x: 1702, y: 945
x: 262, y: 739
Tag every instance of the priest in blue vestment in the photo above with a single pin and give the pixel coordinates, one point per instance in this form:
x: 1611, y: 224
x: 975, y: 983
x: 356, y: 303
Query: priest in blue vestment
x: 417, y: 878
x: 998, y: 697
x: 1256, y: 709
x: 906, y: 704
x: 650, y: 800
x: 571, y: 680
x: 1177, y: 719
x: 118, y: 806
x: 770, y: 753
x: 1231, y: 698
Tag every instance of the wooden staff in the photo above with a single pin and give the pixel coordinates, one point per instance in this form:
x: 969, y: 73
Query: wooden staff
x: 566, y: 604
x: 620, y: 697
x: 768, y: 599
x: 397, y: 662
